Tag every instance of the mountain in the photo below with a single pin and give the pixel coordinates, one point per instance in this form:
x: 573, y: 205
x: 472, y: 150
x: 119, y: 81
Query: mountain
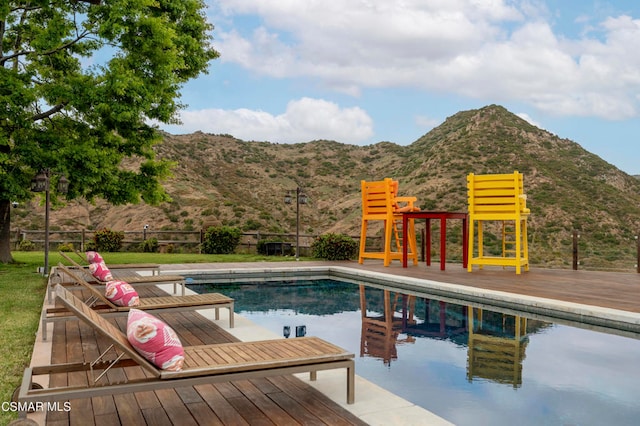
x: 219, y: 179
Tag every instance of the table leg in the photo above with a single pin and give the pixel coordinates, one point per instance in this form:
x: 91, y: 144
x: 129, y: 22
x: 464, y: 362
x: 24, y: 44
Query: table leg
x: 443, y: 243
x: 405, y: 240
x: 465, y: 244
x: 428, y: 242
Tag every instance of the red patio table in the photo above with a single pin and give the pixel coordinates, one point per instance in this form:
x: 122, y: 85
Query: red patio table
x: 443, y: 216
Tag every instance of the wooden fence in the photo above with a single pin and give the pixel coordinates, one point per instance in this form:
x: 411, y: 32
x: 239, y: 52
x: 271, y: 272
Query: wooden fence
x: 168, y: 241
x: 190, y: 241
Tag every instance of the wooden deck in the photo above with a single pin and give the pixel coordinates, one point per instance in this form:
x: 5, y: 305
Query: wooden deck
x: 282, y: 400
x: 615, y: 290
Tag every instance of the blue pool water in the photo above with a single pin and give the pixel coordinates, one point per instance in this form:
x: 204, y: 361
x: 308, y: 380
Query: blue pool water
x: 470, y: 365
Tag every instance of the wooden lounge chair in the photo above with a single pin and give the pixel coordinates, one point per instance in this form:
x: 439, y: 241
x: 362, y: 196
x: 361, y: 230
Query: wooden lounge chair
x: 153, y: 267
x: 203, y: 364
x: 133, y: 279
x: 101, y: 304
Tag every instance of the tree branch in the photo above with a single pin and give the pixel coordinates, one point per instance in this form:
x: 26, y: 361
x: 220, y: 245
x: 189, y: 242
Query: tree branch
x: 49, y: 113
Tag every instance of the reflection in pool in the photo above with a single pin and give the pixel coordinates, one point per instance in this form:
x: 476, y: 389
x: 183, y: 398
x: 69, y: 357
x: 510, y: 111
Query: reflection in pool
x: 470, y: 365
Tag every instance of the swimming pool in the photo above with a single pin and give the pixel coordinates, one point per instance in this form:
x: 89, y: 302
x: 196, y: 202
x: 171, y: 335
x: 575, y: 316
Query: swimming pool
x: 470, y: 364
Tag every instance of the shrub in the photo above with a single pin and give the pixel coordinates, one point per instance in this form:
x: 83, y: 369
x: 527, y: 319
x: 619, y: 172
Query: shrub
x: 150, y: 245
x: 26, y: 245
x: 221, y: 240
x: 65, y: 247
x: 108, y: 240
x: 251, y: 225
x: 334, y: 247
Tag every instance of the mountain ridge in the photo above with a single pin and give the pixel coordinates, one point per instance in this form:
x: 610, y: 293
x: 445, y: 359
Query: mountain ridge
x: 219, y: 179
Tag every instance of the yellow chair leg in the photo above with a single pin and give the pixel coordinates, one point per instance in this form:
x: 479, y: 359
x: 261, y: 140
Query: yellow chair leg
x: 412, y: 241
x: 480, y: 242
x: 518, y: 247
x: 387, y: 242
x: 363, y: 241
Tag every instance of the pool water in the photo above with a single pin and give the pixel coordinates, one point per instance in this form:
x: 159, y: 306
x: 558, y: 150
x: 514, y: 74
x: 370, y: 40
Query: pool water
x: 469, y: 365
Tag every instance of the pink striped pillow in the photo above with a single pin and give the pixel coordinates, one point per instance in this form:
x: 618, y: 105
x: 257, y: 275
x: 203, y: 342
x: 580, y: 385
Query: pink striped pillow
x: 155, y: 340
x: 100, y: 271
x: 94, y: 257
x: 121, y: 293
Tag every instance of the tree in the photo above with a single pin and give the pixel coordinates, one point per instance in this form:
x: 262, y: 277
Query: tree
x: 82, y: 84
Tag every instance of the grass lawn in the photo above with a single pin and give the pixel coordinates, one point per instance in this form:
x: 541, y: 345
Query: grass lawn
x: 22, y: 293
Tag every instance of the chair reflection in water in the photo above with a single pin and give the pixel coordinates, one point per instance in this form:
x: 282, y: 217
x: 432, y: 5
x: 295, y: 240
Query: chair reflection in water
x: 497, y: 344
x: 442, y: 320
x: 380, y: 332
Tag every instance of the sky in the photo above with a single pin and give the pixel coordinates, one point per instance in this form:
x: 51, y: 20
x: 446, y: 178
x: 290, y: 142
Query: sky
x: 366, y: 71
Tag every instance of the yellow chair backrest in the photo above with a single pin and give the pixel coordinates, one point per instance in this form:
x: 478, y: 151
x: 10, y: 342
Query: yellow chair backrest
x: 377, y: 199
x: 380, y: 202
x: 497, y: 196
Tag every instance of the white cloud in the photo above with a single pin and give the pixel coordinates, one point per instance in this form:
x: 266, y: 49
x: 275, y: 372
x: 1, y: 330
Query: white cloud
x: 528, y: 119
x: 494, y: 50
x: 303, y: 120
x: 427, y: 123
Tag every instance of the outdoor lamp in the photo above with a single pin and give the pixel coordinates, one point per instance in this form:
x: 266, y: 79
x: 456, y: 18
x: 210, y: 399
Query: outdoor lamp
x: 40, y: 183
x: 63, y: 185
x: 301, y: 198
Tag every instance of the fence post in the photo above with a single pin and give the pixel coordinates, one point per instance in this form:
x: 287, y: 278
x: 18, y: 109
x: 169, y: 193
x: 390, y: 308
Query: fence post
x: 17, y: 239
x: 638, y: 259
x: 575, y: 250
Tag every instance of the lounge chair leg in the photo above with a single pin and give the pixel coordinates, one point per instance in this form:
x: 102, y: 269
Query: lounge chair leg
x: 313, y: 375
x: 44, y: 329
x: 351, y: 383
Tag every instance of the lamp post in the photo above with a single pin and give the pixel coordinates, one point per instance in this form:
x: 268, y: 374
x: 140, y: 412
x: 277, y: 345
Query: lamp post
x: 301, y: 198
x: 40, y: 183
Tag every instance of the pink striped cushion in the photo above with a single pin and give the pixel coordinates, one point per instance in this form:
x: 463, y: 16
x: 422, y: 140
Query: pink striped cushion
x: 94, y: 257
x: 155, y: 340
x: 121, y: 293
x: 100, y: 271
